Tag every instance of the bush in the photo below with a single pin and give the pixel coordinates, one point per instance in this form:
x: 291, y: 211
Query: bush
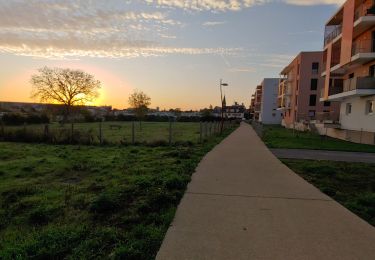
x: 19, y: 119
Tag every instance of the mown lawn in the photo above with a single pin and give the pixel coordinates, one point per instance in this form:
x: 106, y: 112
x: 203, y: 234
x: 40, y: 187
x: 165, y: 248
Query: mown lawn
x: 350, y: 184
x: 280, y: 137
x: 91, y: 202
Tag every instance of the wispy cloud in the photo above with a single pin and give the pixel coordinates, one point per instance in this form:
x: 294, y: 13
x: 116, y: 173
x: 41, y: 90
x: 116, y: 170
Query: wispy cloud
x: 232, y: 5
x: 315, y: 2
x: 111, y: 28
x: 243, y: 69
x: 68, y: 29
x: 213, y: 23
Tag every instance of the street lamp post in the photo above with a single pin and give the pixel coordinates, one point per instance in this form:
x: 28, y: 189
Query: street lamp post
x: 222, y: 104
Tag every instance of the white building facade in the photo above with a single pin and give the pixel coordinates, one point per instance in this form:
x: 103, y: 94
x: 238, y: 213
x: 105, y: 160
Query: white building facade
x: 269, y: 115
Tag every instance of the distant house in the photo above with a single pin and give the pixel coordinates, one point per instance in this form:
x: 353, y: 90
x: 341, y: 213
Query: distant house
x: 236, y: 111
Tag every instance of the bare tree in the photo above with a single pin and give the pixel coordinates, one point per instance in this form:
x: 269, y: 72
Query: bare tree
x: 65, y: 86
x: 139, y: 101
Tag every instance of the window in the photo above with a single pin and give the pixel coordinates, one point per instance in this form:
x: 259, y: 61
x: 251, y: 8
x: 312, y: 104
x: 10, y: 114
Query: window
x: 370, y: 107
x: 315, y: 67
x: 327, y: 103
x: 314, y: 84
x: 312, y: 113
x: 348, y: 108
x: 312, y: 100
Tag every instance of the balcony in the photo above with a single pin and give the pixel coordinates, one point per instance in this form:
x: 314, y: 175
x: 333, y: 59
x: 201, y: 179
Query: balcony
x: 332, y: 34
x: 364, y: 19
x: 283, y: 103
x: 355, y: 87
x: 327, y: 117
x: 363, y: 51
x: 335, y: 89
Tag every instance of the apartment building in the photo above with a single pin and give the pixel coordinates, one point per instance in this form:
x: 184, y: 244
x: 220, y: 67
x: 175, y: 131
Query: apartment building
x: 264, y: 102
x: 252, y: 106
x: 349, y: 69
x: 268, y: 107
x: 299, y: 91
x: 258, y: 102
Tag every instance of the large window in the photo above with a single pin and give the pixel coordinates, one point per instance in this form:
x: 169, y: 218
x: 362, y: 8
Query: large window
x: 314, y: 84
x: 315, y: 67
x: 312, y: 100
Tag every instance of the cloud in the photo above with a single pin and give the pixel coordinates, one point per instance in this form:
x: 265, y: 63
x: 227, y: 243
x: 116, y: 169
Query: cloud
x: 213, y: 23
x: 111, y: 28
x: 207, y: 5
x: 315, y: 2
x: 243, y: 69
x: 74, y: 28
x: 232, y: 5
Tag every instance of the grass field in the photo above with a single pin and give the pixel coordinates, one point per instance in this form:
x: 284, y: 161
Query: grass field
x: 91, y: 202
x: 280, y: 137
x: 350, y: 184
x: 121, y: 132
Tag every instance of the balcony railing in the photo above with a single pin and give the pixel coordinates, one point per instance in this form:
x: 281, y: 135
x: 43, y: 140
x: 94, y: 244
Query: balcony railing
x: 327, y: 116
x: 364, y: 10
x: 334, y: 31
x: 359, y: 83
x: 363, y: 46
x: 336, y: 88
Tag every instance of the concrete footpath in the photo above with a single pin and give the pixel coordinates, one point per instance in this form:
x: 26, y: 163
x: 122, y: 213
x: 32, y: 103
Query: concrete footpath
x: 324, y: 155
x: 243, y: 203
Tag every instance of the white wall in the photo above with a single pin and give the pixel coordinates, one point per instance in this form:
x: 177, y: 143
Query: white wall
x: 269, y: 113
x: 358, y: 120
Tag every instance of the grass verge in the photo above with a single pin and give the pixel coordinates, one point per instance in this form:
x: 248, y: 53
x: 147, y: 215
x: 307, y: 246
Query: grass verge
x: 280, y: 137
x: 350, y: 184
x: 88, y: 202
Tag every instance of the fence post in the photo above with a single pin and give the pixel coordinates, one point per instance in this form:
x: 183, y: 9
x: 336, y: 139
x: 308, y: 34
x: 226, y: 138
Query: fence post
x: 200, y: 132
x: 133, y: 132
x: 2, y: 132
x: 170, y: 131
x: 205, y: 130
x: 46, y: 131
x: 100, y: 132
x: 71, y: 132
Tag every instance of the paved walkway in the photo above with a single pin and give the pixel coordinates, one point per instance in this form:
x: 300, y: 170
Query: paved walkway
x: 243, y: 203
x: 324, y: 155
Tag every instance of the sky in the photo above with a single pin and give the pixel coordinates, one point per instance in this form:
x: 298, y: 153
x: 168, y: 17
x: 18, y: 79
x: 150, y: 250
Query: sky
x: 176, y: 51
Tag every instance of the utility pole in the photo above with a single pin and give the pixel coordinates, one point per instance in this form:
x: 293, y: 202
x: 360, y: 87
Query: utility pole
x: 222, y: 104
